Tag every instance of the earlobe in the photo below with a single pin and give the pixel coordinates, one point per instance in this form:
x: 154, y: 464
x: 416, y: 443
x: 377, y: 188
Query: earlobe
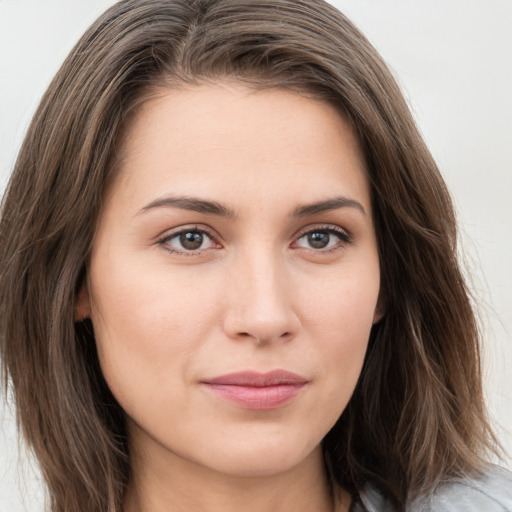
x: 380, y: 309
x: 377, y: 317
x: 83, y: 306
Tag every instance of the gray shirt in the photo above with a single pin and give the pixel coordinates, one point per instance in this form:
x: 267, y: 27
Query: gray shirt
x: 491, y: 492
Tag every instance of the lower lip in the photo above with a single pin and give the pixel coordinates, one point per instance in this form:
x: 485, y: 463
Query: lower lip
x: 257, y: 398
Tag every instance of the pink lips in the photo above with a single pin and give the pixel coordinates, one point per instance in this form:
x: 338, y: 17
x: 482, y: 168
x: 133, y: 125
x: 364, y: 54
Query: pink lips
x: 257, y: 391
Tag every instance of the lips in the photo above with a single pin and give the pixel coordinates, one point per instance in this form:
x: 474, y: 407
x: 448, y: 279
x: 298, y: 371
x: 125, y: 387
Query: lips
x: 257, y: 391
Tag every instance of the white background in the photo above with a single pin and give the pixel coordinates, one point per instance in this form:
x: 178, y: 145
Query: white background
x: 453, y: 59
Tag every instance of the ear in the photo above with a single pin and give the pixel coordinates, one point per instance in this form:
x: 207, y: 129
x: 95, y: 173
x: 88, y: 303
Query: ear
x: 377, y: 317
x: 83, y: 305
x: 380, y: 308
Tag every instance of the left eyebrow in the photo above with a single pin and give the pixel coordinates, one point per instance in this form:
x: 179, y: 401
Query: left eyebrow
x: 328, y: 205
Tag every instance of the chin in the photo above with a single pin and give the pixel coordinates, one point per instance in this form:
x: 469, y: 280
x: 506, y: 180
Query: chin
x: 261, y: 457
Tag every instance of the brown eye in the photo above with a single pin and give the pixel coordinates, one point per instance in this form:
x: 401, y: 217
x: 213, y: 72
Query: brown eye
x: 191, y: 240
x: 323, y: 239
x: 188, y: 241
x: 318, y: 239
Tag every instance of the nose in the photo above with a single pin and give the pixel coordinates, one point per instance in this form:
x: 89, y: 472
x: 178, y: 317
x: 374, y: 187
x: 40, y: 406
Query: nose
x: 260, y: 296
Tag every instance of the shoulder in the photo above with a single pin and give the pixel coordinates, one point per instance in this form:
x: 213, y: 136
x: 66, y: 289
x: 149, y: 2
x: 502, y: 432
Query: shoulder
x: 490, y: 492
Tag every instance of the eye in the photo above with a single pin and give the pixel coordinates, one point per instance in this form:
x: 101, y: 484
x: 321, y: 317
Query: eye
x: 323, y: 239
x: 188, y: 241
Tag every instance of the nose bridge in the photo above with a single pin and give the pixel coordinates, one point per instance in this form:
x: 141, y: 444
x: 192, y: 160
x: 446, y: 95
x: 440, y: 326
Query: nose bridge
x: 261, y: 305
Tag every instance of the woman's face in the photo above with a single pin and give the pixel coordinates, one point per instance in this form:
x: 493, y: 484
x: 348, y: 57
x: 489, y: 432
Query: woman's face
x: 234, y: 277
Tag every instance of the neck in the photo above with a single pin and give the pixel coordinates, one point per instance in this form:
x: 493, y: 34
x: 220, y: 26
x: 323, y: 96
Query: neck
x: 180, y: 485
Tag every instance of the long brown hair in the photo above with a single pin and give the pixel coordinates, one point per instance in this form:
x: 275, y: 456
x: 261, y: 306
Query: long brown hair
x: 417, y: 414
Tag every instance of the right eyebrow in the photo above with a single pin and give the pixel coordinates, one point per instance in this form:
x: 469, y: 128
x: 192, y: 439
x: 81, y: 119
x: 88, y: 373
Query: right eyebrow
x: 192, y: 204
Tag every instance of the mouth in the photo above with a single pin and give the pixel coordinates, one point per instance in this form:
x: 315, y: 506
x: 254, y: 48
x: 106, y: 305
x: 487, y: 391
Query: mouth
x: 257, y: 391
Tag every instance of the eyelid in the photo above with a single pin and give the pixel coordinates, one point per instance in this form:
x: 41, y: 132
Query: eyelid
x: 345, y: 237
x: 164, y: 238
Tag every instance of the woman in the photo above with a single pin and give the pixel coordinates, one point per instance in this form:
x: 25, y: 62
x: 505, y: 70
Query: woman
x: 228, y: 275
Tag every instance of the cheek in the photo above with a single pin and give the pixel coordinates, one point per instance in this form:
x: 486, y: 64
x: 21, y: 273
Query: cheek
x: 147, y: 326
x: 345, y: 303
x: 339, y: 320
x: 133, y: 297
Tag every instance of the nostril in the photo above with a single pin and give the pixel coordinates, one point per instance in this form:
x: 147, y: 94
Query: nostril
x: 264, y: 339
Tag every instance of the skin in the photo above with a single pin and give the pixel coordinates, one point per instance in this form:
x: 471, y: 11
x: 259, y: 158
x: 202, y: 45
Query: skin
x: 255, y: 295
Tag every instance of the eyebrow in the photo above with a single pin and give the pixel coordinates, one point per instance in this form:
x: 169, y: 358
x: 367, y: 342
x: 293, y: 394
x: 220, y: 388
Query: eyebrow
x: 328, y: 205
x: 215, y: 208
x: 192, y: 204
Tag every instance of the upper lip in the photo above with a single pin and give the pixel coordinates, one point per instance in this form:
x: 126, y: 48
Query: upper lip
x: 257, y: 379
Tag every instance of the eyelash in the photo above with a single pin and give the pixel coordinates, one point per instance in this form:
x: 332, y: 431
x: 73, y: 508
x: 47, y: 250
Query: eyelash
x: 164, y: 241
x: 344, y: 239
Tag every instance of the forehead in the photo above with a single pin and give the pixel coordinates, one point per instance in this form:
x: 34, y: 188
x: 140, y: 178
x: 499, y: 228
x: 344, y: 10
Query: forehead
x: 225, y: 137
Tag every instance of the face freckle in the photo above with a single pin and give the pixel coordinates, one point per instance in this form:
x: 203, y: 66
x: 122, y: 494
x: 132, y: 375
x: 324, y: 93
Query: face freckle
x: 235, y: 251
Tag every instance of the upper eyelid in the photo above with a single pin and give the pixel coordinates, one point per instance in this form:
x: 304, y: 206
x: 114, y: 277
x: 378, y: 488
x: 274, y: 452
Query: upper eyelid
x: 164, y: 240
x: 319, y: 227
x: 212, y: 234
x: 170, y: 233
x: 344, y: 238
